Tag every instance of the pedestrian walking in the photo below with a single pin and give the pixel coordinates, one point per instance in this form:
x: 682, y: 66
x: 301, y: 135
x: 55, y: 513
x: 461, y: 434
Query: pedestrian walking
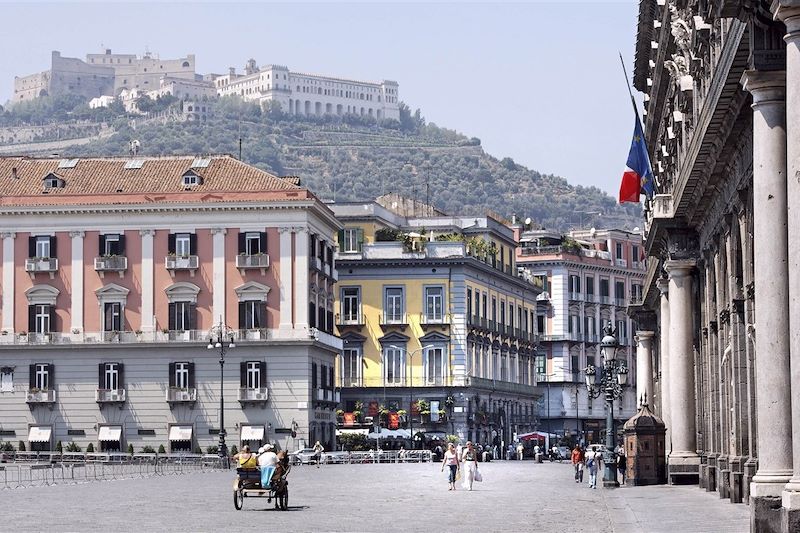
x: 520, y: 451
x: 318, y: 449
x: 591, y: 465
x: 621, y: 465
x: 510, y: 452
x: 470, y: 462
x: 577, y: 463
x: 536, y: 451
x: 451, y: 461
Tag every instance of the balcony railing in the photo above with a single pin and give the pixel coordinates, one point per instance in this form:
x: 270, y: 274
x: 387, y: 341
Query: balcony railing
x: 114, y: 263
x: 188, y: 262
x: 41, y: 264
x: 620, y: 302
x: 405, y: 381
x: 432, y: 320
x: 244, y: 261
x: 253, y: 395
x: 41, y: 396
x: 350, y: 320
x: 576, y: 296
x: 178, y: 395
x: 605, y: 300
x: 253, y: 334
x: 351, y: 382
x: 183, y: 335
x: 393, y: 320
x: 622, y: 263
x: 501, y: 386
x: 109, y: 395
x: 324, y: 395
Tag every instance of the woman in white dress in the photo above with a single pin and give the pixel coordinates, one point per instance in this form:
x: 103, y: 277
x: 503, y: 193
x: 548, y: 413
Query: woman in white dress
x: 470, y: 461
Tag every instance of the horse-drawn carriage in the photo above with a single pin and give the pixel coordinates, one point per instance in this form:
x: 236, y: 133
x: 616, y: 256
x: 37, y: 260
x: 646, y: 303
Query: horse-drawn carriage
x: 253, y: 483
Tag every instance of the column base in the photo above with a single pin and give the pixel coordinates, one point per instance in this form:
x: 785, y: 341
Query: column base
x: 790, y: 511
x: 703, y: 482
x: 765, y: 514
x: 711, y: 473
x: 750, y: 468
x: 736, y: 479
x: 684, y: 469
x: 723, y: 477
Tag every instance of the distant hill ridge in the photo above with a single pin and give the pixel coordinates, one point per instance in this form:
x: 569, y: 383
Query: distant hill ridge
x: 354, y: 158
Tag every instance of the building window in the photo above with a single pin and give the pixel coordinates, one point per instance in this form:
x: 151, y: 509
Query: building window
x: 541, y: 365
x: 111, y: 245
x: 393, y: 304
x: 351, y: 305
x: 6, y: 380
x: 351, y: 240
x: 619, y: 291
x: 604, y: 288
x: 41, y: 376
x: 589, y: 286
x: 434, y: 303
x: 252, y: 314
x: 253, y: 374
x: 112, y: 316
x: 494, y: 309
x: 635, y: 254
x: 182, y: 316
x: 469, y: 304
x: 43, y: 246
x: 619, y: 251
x: 110, y: 376
x: 483, y: 306
x: 351, y: 367
x: 393, y: 365
x: 183, y: 246
x: 540, y: 324
x: 182, y: 375
x: 434, y: 366
x: 511, y: 316
x: 252, y: 243
x: 40, y: 318
x: 575, y: 284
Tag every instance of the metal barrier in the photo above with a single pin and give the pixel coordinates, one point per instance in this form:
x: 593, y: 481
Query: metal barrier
x: 371, y: 456
x: 32, y: 469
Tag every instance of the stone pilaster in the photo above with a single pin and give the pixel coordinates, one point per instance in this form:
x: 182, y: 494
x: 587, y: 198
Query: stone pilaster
x: 644, y: 367
x: 772, y: 302
x: 76, y: 291
x: 286, y: 282
x: 663, y: 287
x: 301, y: 288
x: 218, y: 275
x: 8, y: 281
x: 788, y: 11
x: 148, y: 308
x: 684, y: 463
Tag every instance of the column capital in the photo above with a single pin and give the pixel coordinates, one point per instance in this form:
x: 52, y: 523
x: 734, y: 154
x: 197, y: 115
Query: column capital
x: 679, y: 266
x: 301, y: 229
x: 8, y: 235
x: 644, y: 335
x: 149, y: 232
x: 663, y: 286
x: 77, y: 234
x: 766, y: 86
x: 788, y: 12
x: 285, y: 229
x: 214, y: 231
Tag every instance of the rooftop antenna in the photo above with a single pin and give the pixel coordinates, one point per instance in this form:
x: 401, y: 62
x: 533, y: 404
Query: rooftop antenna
x: 428, y: 198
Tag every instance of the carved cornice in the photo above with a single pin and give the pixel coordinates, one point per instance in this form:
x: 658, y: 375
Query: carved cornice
x: 147, y: 232
x: 8, y: 235
x: 77, y: 234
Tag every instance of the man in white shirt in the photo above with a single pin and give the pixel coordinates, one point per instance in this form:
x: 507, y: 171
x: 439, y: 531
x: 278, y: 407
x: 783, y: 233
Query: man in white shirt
x: 267, y: 461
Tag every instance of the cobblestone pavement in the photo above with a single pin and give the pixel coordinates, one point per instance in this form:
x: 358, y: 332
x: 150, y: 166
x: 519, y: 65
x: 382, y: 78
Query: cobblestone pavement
x: 383, y: 497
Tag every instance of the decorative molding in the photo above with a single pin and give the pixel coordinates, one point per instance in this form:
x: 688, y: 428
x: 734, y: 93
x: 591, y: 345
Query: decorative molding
x: 8, y: 235
x: 215, y: 231
x: 77, y: 234
x: 150, y: 232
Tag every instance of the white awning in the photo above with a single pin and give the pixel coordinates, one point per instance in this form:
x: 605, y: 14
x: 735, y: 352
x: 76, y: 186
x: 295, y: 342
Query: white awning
x: 110, y: 434
x: 180, y: 433
x: 252, y: 433
x: 352, y: 431
x: 39, y: 433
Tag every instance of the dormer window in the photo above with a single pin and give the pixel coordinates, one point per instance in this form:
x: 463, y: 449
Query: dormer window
x: 52, y: 181
x: 191, y: 179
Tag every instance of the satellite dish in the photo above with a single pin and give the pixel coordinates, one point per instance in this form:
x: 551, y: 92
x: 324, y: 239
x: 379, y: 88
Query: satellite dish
x: 592, y: 232
x: 528, y: 220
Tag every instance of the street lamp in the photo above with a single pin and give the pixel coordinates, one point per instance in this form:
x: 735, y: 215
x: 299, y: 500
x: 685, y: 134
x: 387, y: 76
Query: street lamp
x: 613, y: 377
x: 216, y: 339
x: 410, y: 383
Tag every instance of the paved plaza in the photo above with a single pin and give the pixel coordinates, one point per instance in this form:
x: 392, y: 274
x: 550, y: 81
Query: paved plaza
x: 373, y: 497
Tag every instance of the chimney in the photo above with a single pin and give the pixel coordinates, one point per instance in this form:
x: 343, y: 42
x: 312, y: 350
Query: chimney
x: 14, y: 173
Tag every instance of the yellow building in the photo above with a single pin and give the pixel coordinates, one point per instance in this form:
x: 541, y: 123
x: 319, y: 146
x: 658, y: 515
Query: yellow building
x: 438, y: 325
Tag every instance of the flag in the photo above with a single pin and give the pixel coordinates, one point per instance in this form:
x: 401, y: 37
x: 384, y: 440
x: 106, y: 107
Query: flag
x: 638, y: 175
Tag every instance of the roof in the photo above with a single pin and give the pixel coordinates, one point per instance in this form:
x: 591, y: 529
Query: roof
x: 648, y: 11
x: 21, y: 177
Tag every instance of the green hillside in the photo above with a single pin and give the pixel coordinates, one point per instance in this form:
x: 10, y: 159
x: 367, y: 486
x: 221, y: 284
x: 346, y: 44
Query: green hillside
x: 354, y: 158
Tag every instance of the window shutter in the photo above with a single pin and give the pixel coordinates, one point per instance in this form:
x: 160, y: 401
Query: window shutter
x: 191, y: 376
x: 242, y: 315
x: 321, y: 318
x: 52, y: 311
x: 31, y: 376
x: 242, y: 243
x: 102, y: 246
x: 172, y: 374
x: 323, y: 371
x: 313, y: 375
x: 101, y: 376
x: 192, y: 310
x: 53, y: 247
x: 31, y: 319
x: 262, y: 370
x: 31, y: 246
x: 340, y: 238
x: 171, y: 243
x: 360, y: 239
x: 330, y: 378
x: 243, y: 374
x: 192, y: 244
x: 121, y: 244
x: 262, y: 243
x: 261, y: 314
x: 171, y: 320
x: 312, y: 315
x: 51, y: 376
x: 120, y: 375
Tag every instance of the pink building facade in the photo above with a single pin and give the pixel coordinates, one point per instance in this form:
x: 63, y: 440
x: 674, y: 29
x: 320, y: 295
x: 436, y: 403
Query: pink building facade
x: 114, y: 273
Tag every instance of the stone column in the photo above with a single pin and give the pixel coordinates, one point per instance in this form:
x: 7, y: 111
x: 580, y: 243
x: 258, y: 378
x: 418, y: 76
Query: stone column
x: 148, y: 309
x: 644, y: 367
x: 8, y: 281
x: 76, y: 291
x: 285, y: 279
x: 770, y: 214
x: 663, y: 401
x: 684, y: 463
x: 788, y: 11
x: 218, y: 275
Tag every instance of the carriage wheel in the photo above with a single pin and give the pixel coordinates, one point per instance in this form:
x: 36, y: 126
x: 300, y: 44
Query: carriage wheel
x: 284, y: 499
x: 238, y: 499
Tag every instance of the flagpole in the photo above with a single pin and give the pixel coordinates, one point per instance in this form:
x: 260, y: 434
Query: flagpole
x: 635, y: 111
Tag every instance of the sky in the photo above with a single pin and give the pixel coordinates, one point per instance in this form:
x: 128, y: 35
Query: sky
x: 537, y: 81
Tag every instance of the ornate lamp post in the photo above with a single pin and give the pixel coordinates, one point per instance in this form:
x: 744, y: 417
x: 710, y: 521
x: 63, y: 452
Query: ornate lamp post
x: 613, y: 377
x: 218, y: 336
x: 410, y: 384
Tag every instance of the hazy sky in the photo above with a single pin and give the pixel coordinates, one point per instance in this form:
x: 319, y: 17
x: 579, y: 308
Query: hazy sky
x: 537, y: 81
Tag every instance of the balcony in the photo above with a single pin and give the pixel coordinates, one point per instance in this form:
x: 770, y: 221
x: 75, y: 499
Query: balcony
x: 343, y: 321
x: 590, y: 298
x: 109, y: 395
x: 427, y: 320
x: 41, y: 264
x: 253, y: 395
x: 181, y: 395
x: 396, y: 320
x: 182, y: 335
x: 188, y: 262
x: 253, y: 334
x: 622, y: 263
x: 605, y: 300
x: 576, y: 296
x: 620, y: 302
x: 502, y: 386
x: 44, y: 396
x: 112, y: 263
x: 246, y: 262
x: 351, y: 382
x: 552, y: 338
x: 315, y: 263
x: 324, y: 395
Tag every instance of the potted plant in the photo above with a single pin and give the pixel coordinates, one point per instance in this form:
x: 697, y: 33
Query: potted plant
x: 357, y: 415
x: 339, y: 415
x: 442, y: 415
